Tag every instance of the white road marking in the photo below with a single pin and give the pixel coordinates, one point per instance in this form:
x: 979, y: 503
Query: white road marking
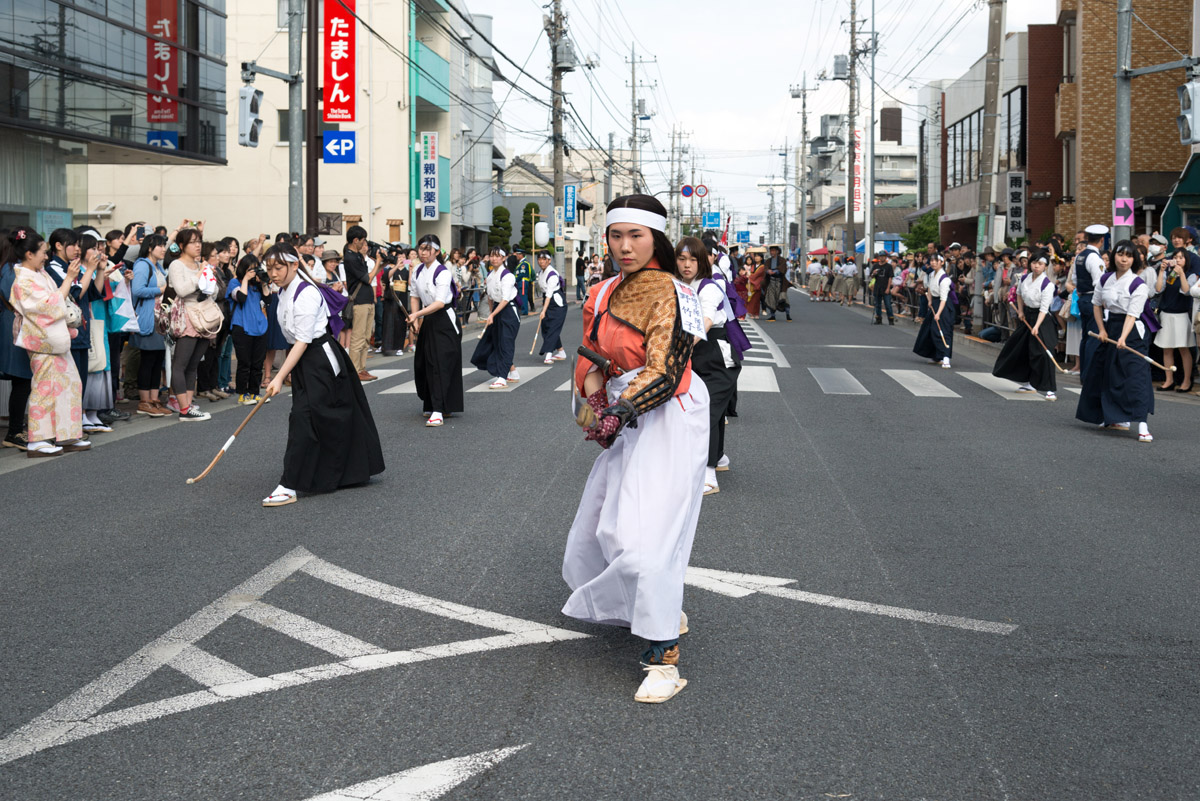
x: 740, y: 585
x: 1076, y: 390
x: 425, y: 783
x: 837, y: 381
x: 758, y: 359
x: 776, y: 353
x: 754, y: 378
x: 410, y: 387
x: 565, y: 386
x: 80, y: 715
x: 921, y: 385
x: 388, y: 373
x: 527, y: 375
x: 865, y: 347
x: 204, y: 668
x: 1003, y: 387
x: 308, y: 631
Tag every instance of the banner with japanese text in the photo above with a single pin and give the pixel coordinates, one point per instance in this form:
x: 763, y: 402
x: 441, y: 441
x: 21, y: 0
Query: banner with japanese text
x: 162, y: 60
x: 429, y: 176
x: 859, y: 167
x: 339, y: 61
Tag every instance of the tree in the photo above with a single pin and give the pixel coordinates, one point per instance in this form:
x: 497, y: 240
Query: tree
x: 527, y: 225
x: 923, y: 231
x: 501, y: 234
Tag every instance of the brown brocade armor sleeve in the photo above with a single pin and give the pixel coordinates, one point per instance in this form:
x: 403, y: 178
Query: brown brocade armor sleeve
x: 647, y: 302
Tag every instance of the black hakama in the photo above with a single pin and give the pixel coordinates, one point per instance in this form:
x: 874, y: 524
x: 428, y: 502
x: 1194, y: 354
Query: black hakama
x: 395, y: 324
x: 709, y: 364
x: 552, y: 326
x: 496, y: 352
x: 1024, y: 360
x: 1117, y: 387
x: 332, y: 441
x: 929, y: 344
x: 437, y: 367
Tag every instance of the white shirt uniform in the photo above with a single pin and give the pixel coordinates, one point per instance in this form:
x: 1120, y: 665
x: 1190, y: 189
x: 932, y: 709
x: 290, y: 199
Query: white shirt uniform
x: 1113, y: 295
x: 1037, y: 293
x: 1094, y: 265
x: 940, y: 285
x: 501, y: 286
x: 430, y: 290
x: 305, y: 318
x: 814, y: 268
x: 849, y: 270
x: 714, y: 305
x: 549, y: 282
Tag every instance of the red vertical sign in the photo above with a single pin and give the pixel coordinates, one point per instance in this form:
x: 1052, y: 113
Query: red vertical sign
x: 339, y: 61
x: 162, y: 60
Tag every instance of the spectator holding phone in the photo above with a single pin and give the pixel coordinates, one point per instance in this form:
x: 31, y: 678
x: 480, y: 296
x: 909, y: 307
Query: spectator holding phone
x: 148, y: 283
x: 184, y: 275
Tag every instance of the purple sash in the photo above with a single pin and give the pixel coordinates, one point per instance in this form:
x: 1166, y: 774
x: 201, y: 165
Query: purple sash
x: 733, y: 329
x: 453, y: 286
x: 1153, y: 326
x: 334, y: 300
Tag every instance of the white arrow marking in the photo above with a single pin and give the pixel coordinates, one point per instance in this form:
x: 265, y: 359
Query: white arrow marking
x: 424, y: 783
x: 739, y: 585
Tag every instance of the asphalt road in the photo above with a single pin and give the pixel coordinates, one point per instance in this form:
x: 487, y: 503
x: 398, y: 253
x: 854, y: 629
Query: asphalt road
x: 978, y: 598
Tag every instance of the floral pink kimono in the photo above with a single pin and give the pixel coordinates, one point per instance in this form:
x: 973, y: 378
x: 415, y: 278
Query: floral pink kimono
x: 55, y: 410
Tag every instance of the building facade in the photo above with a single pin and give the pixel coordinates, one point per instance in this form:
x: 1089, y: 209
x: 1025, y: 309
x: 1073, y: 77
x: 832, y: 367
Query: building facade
x: 107, y: 82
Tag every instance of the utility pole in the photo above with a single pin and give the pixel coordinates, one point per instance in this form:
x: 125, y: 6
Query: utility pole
x: 556, y: 31
x: 989, y: 156
x: 312, y: 119
x: 869, y: 171
x: 783, y: 208
x: 608, y: 173
x: 851, y: 125
x: 296, y: 115
x: 802, y: 173
x: 672, y: 193
x: 635, y: 140
x: 692, y: 199
x: 1124, y: 109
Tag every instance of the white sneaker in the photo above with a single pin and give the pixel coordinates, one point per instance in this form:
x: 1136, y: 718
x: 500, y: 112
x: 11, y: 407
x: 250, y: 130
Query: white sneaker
x: 1050, y: 396
x: 723, y: 464
x: 499, y: 383
x: 513, y: 375
x: 662, y: 683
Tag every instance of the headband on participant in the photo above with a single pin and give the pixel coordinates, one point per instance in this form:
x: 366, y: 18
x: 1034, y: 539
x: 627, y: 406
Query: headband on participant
x: 649, y: 219
x: 289, y: 258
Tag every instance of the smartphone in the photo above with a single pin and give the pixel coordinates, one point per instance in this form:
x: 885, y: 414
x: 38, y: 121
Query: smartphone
x: 143, y: 231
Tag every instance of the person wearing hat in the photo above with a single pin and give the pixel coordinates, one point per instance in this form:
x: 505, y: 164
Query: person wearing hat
x: 1085, y: 275
x: 775, y: 288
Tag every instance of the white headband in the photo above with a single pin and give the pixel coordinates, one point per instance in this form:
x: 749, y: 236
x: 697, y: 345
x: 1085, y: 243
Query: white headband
x: 638, y: 217
x: 288, y: 257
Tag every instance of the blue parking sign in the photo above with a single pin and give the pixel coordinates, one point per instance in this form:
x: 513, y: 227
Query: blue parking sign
x: 338, y: 147
x: 743, y: 237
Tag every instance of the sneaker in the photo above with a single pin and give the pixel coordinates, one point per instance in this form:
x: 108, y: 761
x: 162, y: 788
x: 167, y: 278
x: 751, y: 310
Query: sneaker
x: 220, y: 393
x: 513, y: 375
x: 150, y: 409
x: 662, y: 683
x: 193, y: 414
x: 173, y: 405
x: 399, y: 353
x: 245, y: 400
x: 499, y: 383
x: 16, y: 439
x: 116, y: 416
x: 1050, y: 396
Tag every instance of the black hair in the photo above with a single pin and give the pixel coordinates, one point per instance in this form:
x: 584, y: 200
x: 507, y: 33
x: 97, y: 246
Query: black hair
x: 88, y: 242
x: 129, y: 227
x: 497, y: 251
x: 355, y: 232
x: 113, y: 234
x: 694, y: 247
x: 281, y: 252
x: 303, y: 239
x: 245, y: 265
x: 664, y: 253
x: 544, y: 254
x: 24, y: 240
x: 62, y: 236
x: 1126, y: 246
x: 185, y: 237
x: 224, y: 243
x: 436, y: 244
x: 151, y: 242
x: 207, y: 249
x: 284, y: 236
x: 161, y: 230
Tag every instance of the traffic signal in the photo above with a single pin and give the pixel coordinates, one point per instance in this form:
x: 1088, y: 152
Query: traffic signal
x: 249, y: 123
x: 1189, y: 108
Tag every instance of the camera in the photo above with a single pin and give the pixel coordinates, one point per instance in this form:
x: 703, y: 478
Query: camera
x: 260, y: 273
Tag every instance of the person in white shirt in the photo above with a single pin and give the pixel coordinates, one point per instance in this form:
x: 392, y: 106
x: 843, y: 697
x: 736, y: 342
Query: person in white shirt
x: 437, y: 366
x: 332, y: 440
x: 1117, y: 387
x: 935, y: 339
x: 497, y: 348
x: 814, y: 280
x: 554, y: 309
x: 1024, y: 358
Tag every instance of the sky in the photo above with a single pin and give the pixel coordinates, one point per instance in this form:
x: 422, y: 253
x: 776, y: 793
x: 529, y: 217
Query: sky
x: 722, y: 72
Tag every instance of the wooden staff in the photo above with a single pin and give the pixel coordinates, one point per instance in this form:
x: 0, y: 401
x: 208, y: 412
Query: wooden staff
x: 229, y: 442
x: 536, y: 330
x: 938, y: 326
x: 1144, y: 357
x: 1049, y: 355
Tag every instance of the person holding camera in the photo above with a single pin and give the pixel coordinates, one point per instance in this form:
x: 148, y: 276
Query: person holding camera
x: 359, y: 279
x: 249, y: 326
x: 395, y: 300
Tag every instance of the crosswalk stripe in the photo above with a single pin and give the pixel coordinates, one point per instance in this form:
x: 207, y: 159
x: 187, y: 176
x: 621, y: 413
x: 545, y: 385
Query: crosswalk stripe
x: 837, y: 381
x: 757, y: 379
x: 388, y: 373
x: 309, y: 631
x: 1002, y: 387
x: 758, y: 359
x: 204, y: 668
x: 768, y: 343
x: 921, y: 385
x: 527, y: 375
x: 564, y: 386
x: 410, y: 387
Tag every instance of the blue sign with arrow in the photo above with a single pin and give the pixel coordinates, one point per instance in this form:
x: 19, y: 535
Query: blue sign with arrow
x: 339, y: 147
x: 743, y: 237
x: 712, y: 219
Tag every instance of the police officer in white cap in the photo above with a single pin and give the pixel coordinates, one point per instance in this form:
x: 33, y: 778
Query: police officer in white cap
x: 1086, y: 277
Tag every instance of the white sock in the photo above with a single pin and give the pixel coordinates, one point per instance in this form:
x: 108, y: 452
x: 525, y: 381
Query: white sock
x: 282, y: 490
x: 710, y: 476
x: 41, y: 445
x: 1143, y: 429
x: 435, y: 416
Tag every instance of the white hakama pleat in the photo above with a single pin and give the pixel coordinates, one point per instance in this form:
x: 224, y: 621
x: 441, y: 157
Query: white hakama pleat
x: 629, y: 546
